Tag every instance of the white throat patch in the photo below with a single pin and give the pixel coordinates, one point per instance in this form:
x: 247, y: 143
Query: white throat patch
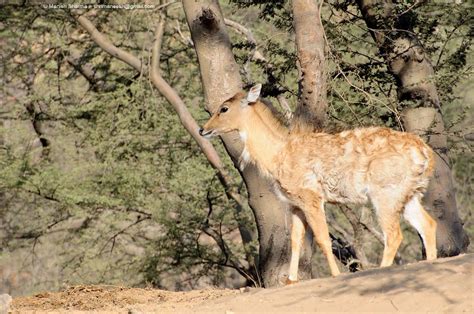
x: 244, y: 159
x: 245, y: 156
x: 243, y: 136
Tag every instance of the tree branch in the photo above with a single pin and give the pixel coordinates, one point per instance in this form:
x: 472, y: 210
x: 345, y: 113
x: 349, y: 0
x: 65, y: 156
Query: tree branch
x: 185, y: 117
x: 175, y: 100
x: 106, y: 45
x: 358, y: 233
x: 163, y: 87
x: 257, y: 55
x: 121, y: 231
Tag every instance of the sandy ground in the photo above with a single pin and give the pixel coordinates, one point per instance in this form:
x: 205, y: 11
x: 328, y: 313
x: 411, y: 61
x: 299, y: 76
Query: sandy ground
x: 445, y: 285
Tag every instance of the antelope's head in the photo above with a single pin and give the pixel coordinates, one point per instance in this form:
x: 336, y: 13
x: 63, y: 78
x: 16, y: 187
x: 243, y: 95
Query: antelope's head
x: 232, y: 114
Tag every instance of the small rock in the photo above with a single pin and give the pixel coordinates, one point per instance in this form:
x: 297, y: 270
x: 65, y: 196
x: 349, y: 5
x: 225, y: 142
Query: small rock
x: 5, y: 301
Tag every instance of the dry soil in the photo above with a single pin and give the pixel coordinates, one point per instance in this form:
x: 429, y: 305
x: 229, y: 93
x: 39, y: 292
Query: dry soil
x: 445, y: 285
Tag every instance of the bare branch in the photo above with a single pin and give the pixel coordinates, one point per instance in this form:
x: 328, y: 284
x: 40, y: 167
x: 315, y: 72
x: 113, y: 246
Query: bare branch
x: 241, y: 29
x: 373, y: 231
x: 97, y: 83
x: 123, y: 230
x: 164, y: 5
x: 104, y: 43
x: 84, y: 69
x: 257, y: 55
x: 186, y: 40
x: 156, y: 51
x: 358, y: 233
x: 163, y: 87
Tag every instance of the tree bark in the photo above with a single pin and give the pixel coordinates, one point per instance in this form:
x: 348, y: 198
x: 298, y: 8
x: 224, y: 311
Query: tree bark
x: 310, y: 45
x: 221, y: 80
x: 413, y: 72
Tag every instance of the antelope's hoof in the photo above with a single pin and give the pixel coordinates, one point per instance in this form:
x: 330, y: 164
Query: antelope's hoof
x: 290, y: 282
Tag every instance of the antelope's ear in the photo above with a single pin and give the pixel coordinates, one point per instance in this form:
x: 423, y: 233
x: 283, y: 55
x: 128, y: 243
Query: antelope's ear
x: 254, y: 93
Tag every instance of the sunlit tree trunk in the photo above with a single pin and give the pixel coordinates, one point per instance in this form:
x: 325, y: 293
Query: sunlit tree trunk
x: 310, y: 45
x: 414, y: 73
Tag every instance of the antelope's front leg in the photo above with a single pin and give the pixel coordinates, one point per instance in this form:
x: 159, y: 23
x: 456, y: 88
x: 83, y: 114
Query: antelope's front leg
x: 297, y: 239
x: 312, y: 206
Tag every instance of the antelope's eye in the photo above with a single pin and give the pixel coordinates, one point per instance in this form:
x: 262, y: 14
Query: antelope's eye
x: 224, y: 109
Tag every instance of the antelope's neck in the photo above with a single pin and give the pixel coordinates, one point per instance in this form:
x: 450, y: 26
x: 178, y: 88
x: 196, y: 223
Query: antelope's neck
x: 264, y: 137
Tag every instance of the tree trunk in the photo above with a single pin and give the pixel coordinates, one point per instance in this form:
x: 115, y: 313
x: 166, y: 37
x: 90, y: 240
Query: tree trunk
x: 221, y: 80
x: 309, y: 34
x: 413, y: 72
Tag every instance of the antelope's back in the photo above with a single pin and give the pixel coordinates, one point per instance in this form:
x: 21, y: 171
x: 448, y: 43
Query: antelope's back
x: 382, y: 143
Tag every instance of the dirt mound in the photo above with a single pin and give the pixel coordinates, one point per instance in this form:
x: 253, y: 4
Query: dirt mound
x: 112, y: 298
x: 445, y: 285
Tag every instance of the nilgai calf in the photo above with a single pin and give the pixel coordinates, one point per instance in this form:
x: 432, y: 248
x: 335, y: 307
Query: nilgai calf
x: 389, y: 168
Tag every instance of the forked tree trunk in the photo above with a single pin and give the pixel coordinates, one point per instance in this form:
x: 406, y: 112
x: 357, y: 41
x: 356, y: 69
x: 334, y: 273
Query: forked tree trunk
x: 221, y: 80
x: 413, y: 72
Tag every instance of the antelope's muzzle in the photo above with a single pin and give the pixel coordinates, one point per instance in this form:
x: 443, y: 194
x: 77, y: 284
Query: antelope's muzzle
x: 206, y: 134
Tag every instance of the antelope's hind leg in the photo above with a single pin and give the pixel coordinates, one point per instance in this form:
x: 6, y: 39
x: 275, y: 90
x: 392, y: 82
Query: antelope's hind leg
x: 417, y: 216
x: 392, y: 237
x: 297, y: 238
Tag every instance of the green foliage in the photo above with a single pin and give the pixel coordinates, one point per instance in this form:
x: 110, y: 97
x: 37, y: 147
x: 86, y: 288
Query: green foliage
x: 275, y: 12
x: 122, y: 182
x: 122, y: 194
